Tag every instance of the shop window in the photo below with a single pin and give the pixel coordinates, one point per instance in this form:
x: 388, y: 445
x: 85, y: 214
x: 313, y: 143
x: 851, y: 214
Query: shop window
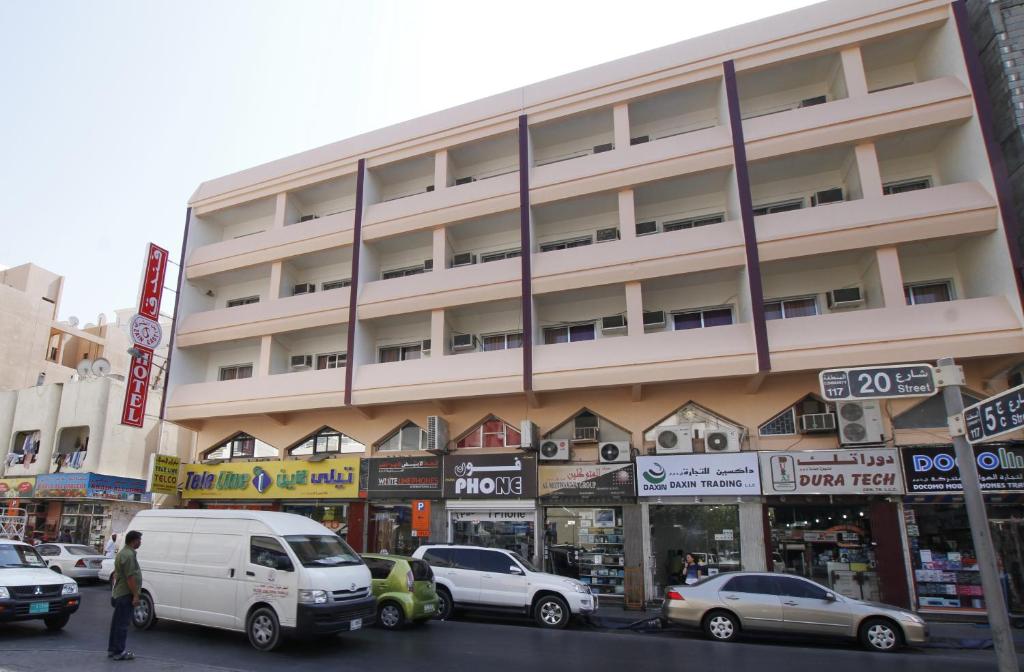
x: 708, y: 533
x: 788, y: 422
x: 586, y: 543
x: 334, y: 517
x: 71, y: 448
x: 326, y: 440
x: 930, y: 413
x: 491, y: 433
x: 389, y: 529
x: 24, y: 449
x: 240, y: 446
x: 928, y: 292
x: 408, y: 437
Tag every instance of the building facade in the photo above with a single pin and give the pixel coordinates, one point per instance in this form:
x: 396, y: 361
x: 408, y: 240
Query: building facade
x: 646, y: 259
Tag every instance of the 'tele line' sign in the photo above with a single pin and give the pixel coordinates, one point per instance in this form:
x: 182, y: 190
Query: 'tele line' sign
x: 995, y: 416
x: 133, y: 411
x: 878, y: 382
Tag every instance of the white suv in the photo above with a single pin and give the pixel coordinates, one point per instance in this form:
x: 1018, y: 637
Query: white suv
x: 493, y: 579
x: 28, y: 590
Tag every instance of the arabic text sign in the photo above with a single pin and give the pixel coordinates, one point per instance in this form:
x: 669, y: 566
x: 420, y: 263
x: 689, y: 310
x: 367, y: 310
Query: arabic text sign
x: 153, y: 282
x: 586, y: 481
x: 878, y: 382
x: 336, y: 478
x: 163, y: 474
x: 995, y: 416
x: 730, y: 474
x: 490, y: 476
x: 933, y: 469
x: 831, y: 472
x: 403, y: 476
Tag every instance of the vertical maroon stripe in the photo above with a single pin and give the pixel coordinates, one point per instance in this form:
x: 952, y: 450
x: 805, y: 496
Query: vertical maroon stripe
x: 353, y: 292
x: 525, y: 256
x: 739, y: 150
x: 996, y: 161
x: 174, y: 318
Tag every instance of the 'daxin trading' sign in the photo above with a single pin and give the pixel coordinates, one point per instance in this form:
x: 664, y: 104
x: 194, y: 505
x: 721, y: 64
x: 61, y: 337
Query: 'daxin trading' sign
x: 133, y: 412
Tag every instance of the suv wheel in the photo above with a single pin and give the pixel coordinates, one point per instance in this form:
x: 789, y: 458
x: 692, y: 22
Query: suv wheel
x: 444, y: 604
x: 551, y: 611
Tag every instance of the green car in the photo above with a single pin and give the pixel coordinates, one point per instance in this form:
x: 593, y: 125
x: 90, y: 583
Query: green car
x: 404, y: 588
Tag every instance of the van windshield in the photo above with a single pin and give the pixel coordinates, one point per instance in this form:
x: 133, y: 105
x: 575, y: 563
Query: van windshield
x: 322, y: 550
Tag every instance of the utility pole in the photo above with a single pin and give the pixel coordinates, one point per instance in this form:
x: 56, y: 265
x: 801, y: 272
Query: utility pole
x: 995, y: 603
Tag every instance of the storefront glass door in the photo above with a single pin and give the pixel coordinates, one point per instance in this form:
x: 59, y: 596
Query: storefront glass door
x: 710, y: 533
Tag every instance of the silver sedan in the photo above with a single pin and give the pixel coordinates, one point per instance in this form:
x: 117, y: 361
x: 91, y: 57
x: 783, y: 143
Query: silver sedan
x: 726, y: 604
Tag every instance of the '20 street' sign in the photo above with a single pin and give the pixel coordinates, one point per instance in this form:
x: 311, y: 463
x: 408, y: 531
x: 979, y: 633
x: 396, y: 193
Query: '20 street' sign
x: 878, y: 382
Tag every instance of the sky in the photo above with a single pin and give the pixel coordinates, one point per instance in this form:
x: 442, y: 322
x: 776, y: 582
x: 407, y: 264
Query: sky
x: 114, y: 112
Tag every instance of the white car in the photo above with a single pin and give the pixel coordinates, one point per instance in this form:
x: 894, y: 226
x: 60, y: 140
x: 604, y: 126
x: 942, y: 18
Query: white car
x: 74, y: 560
x: 28, y: 590
x: 106, y: 572
x: 493, y: 579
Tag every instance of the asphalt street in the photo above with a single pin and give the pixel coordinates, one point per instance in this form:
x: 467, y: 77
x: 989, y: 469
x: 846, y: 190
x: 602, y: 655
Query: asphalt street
x: 467, y: 643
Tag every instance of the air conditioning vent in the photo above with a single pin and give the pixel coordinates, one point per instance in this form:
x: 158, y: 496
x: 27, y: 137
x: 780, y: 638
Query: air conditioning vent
x: 813, y: 423
x: 860, y: 423
x: 307, y: 218
x: 606, y: 147
x: 304, y: 288
x: 613, y: 323
x: 846, y: 297
x: 833, y: 195
x: 437, y: 434
x: 724, y: 440
x: 463, y: 259
x: 613, y: 451
x: 428, y: 264
x: 674, y: 440
x: 585, y: 435
x: 464, y: 180
x: 640, y: 139
x: 646, y: 228
x: 654, y: 319
x: 607, y: 235
x: 816, y: 100
x: 301, y: 362
x: 529, y: 435
x: 462, y: 342
x: 553, y: 449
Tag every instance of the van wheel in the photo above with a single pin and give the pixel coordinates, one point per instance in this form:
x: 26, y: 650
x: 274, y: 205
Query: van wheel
x: 390, y: 616
x: 56, y: 622
x: 552, y: 612
x: 263, y: 629
x: 445, y: 605
x: 880, y: 634
x: 144, y: 615
x: 721, y: 626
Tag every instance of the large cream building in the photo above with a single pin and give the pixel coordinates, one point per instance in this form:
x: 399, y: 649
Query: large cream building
x: 681, y: 239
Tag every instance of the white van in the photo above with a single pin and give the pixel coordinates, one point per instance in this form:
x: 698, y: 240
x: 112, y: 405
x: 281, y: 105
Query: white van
x: 267, y: 573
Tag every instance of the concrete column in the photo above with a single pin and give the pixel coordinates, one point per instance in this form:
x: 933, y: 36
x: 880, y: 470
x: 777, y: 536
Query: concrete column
x: 648, y: 552
x: 891, y: 276
x: 276, y: 276
x: 634, y: 309
x: 752, y: 537
x: 853, y: 72
x: 868, y: 170
x: 440, y: 250
x: 633, y: 550
x: 627, y: 215
x: 438, y: 343
x: 280, y: 210
x: 442, y: 169
x: 266, y: 346
x: 620, y: 120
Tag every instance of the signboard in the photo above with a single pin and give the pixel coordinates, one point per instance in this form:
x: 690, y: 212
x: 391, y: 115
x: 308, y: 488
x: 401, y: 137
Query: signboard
x: 91, y: 486
x: 831, y: 472
x: 995, y: 416
x: 153, y: 282
x: 933, y: 469
x: 704, y: 475
x: 483, y: 516
x: 878, y: 382
x: 145, y: 332
x: 163, y: 474
x: 133, y: 411
x: 337, y: 478
x: 17, y: 487
x: 490, y: 476
x: 403, y: 477
x: 586, y: 481
x: 421, y: 517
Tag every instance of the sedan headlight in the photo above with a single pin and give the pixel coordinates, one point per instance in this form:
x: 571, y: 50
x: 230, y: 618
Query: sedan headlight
x: 576, y: 585
x: 913, y: 618
x: 313, y: 596
x: 4, y: 593
x: 69, y: 589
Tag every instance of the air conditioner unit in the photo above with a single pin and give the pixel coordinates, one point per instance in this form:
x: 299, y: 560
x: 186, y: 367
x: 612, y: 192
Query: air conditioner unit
x: 428, y: 264
x: 673, y: 440
x: 813, y: 423
x: 529, y: 435
x: 613, y: 323
x: 437, y: 434
x: 301, y: 362
x: 425, y: 347
x: 606, y: 147
x: 613, y: 451
x: 646, y: 228
x: 429, y: 188
x: 607, y: 235
x: 306, y: 218
x: 640, y: 139
x: 860, y: 423
x: 584, y: 434
x: 654, y: 319
x: 304, y: 288
x: 722, y: 440
x: 463, y: 342
x: 833, y: 195
x: 816, y: 100
x: 553, y: 449
x: 463, y: 259
x: 464, y: 180
x: 847, y: 297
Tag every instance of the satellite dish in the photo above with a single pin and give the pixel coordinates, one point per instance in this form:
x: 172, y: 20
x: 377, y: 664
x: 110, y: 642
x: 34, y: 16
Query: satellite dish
x: 84, y: 368
x: 73, y: 321
x: 100, y: 366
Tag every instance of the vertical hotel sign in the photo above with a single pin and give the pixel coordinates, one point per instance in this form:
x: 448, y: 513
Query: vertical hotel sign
x: 146, y: 334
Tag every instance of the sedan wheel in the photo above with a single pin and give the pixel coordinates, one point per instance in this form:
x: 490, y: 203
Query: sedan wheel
x: 390, y: 616
x: 879, y: 634
x: 721, y: 626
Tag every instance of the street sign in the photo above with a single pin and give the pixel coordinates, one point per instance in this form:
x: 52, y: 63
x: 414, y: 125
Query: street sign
x: 878, y: 382
x: 995, y: 416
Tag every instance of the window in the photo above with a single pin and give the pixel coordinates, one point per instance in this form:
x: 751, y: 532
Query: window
x: 903, y: 186
x: 48, y: 550
x: 327, y: 440
x: 235, y: 371
x: 420, y: 571
x: 569, y: 334
x: 335, y: 284
x: 331, y: 360
x: 799, y: 588
x: 379, y: 569
x: 692, y: 223
x: 268, y: 552
x: 401, y: 272
x: 492, y: 433
x: 439, y: 557
x: 513, y: 339
x: 782, y: 206
x: 762, y: 585
x: 409, y: 437
x: 240, y: 445
x: 928, y: 292
x: 466, y: 558
x: 234, y: 303
x: 322, y: 550
x: 400, y: 353
x: 493, y: 561
x: 782, y: 424
x: 498, y: 256
x: 784, y: 309
x: 566, y: 244
x: 706, y: 317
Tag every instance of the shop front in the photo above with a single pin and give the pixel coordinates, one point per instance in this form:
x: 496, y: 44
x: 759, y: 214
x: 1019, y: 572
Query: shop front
x: 490, y: 500
x: 704, y: 505
x: 586, y: 524
x: 88, y: 506
x: 938, y: 533
x: 398, y: 488
x: 16, y: 500
x: 833, y: 516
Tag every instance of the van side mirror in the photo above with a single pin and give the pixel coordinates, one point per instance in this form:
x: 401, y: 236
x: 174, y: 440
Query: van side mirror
x: 514, y: 569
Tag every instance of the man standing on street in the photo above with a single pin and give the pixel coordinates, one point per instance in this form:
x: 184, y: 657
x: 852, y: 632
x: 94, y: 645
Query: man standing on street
x: 110, y: 550
x: 125, y: 596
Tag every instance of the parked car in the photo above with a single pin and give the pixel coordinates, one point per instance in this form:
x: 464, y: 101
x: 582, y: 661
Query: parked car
x: 265, y: 573
x: 404, y: 588
x: 493, y: 579
x: 28, y: 590
x: 106, y: 572
x: 728, y: 604
x: 75, y: 560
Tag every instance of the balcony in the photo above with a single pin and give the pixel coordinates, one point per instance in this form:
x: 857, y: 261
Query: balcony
x: 580, y: 315
x: 309, y: 350
x: 483, y: 160
x: 791, y: 85
x: 576, y: 222
x: 237, y: 221
x: 678, y: 204
x: 573, y: 137
x: 325, y: 271
x: 911, y: 57
x: 676, y: 112
x: 321, y: 200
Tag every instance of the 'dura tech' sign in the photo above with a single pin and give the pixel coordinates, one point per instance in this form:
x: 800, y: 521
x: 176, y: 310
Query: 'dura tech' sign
x: 490, y: 477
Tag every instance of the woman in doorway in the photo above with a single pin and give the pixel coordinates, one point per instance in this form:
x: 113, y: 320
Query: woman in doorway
x: 692, y: 571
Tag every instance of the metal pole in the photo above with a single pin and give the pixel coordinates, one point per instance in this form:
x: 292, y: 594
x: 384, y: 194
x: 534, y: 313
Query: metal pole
x: 998, y: 617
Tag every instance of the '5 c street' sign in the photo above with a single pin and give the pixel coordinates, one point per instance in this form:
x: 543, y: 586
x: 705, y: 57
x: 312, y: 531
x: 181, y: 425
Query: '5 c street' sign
x: 995, y: 416
x: 878, y: 382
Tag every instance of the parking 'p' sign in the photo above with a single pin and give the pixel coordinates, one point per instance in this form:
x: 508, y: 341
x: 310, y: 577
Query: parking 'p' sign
x: 878, y: 382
